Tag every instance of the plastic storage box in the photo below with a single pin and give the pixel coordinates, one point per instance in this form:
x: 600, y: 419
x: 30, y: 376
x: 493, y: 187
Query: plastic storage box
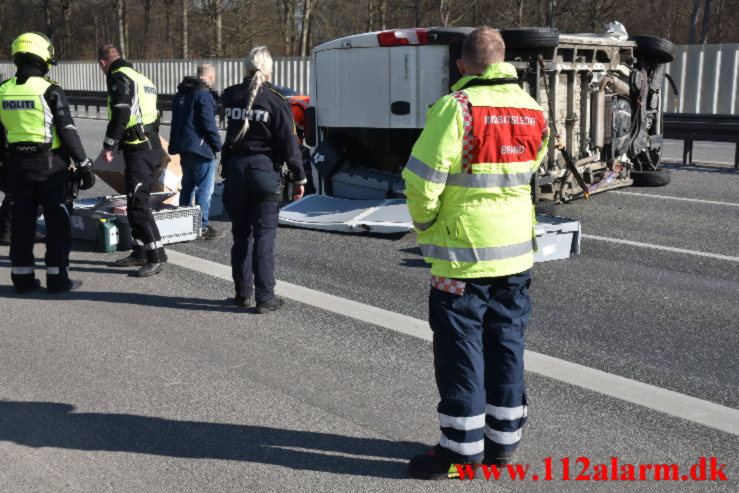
x: 364, y: 184
x: 556, y: 238
x: 176, y: 224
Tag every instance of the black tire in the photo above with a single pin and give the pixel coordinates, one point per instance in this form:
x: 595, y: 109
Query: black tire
x: 658, y: 178
x: 530, y: 37
x: 654, y: 49
x: 545, y: 207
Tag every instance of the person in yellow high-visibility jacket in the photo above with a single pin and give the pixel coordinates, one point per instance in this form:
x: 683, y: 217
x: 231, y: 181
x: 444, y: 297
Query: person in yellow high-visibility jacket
x: 469, y: 195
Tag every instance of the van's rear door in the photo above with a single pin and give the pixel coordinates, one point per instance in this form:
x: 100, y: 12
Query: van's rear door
x: 349, y: 216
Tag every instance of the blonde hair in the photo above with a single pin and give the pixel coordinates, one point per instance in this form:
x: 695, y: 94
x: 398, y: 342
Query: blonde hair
x: 259, y: 67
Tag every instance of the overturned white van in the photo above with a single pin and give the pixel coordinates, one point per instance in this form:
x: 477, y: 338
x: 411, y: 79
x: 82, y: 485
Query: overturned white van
x: 370, y: 93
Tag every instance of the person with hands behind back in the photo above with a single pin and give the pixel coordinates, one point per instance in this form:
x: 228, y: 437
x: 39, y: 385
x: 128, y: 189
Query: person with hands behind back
x: 260, y: 136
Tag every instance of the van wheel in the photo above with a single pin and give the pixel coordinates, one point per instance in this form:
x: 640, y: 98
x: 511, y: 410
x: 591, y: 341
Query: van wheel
x: 658, y: 178
x: 654, y: 49
x: 530, y: 37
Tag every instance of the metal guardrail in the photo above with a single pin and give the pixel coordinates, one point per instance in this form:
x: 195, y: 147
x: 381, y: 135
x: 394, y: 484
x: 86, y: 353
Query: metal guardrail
x: 94, y: 105
x: 705, y: 127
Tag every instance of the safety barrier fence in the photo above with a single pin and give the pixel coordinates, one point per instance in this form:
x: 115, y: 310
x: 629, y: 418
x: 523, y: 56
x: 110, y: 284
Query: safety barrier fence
x: 702, y: 127
x: 292, y: 72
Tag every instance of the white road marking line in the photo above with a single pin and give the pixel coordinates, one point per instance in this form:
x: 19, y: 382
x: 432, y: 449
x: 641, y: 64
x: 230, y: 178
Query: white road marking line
x: 684, y: 199
x: 665, y: 401
x: 661, y: 247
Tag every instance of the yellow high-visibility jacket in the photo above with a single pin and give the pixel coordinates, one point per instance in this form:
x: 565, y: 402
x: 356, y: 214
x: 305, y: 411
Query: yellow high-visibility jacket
x: 468, y: 178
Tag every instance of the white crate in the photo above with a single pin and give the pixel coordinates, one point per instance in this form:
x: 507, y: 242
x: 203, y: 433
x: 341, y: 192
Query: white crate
x: 176, y: 224
x: 556, y: 238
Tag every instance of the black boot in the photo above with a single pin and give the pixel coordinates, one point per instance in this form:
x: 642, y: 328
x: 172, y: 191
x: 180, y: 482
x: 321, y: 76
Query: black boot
x: 69, y: 286
x: 498, y: 458
x: 27, y: 288
x: 242, y: 301
x: 150, y: 269
x: 435, y: 465
x: 270, y: 305
x: 131, y: 261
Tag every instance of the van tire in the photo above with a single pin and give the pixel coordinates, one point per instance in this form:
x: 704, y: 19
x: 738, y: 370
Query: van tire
x: 658, y: 178
x: 530, y: 37
x: 654, y: 49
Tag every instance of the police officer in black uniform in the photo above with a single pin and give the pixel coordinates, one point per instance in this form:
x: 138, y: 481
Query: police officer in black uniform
x: 39, y: 142
x: 260, y: 137
x: 134, y: 127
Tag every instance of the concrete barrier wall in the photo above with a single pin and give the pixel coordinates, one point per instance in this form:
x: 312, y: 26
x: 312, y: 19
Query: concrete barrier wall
x: 292, y: 72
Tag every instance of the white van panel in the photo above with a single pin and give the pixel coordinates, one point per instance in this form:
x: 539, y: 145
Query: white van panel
x: 350, y: 87
x: 355, y: 87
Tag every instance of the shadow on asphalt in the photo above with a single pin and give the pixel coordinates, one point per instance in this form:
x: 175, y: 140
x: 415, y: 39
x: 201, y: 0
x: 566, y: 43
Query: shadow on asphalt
x: 52, y: 424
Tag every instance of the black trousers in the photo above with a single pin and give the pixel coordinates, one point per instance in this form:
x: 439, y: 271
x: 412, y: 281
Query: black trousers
x: 141, y: 166
x: 251, y: 197
x: 45, y: 182
x: 5, y: 216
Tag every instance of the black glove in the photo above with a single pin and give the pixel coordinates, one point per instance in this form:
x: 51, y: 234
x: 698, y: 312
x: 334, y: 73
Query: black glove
x: 85, y: 175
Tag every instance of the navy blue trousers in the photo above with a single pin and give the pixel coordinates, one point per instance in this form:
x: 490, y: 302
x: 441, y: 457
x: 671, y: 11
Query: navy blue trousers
x: 251, y: 196
x: 478, y: 360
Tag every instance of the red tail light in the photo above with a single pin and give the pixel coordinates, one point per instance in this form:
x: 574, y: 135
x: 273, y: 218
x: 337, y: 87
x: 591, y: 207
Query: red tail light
x: 403, y: 37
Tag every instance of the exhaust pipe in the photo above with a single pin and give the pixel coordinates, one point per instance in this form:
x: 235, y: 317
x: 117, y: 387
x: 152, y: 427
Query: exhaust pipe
x: 597, y: 118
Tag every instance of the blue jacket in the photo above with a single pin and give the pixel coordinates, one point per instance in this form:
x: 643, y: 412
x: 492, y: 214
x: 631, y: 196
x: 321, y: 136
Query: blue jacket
x: 194, y: 127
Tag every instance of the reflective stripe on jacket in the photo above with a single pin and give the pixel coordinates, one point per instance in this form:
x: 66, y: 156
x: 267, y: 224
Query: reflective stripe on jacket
x: 468, y: 178
x: 26, y: 114
x: 144, y: 101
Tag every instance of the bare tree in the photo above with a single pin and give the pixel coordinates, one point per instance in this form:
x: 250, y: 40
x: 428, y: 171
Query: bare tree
x: 168, y: 4
x: 120, y: 21
x: 184, y: 28
x: 148, y: 45
x: 706, y: 22
x: 694, y: 21
x: 287, y: 24
x: 66, y: 6
x: 551, y: 10
x: 305, y: 26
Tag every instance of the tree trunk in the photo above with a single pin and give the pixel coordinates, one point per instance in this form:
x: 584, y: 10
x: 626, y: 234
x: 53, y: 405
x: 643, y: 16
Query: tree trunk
x: 551, y: 9
x: 444, y: 12
x: 305, y: 26
x: 706, y: 22
x: 184, y: 28
x: 168, y: 28
x: 119, y: 13
x: 148, y: 45
x: 47, y: 18
x: 519, y: 19
x: 694, y: 21
x: 125, y: 25
x: 219, y: 27
x: 66, y: 14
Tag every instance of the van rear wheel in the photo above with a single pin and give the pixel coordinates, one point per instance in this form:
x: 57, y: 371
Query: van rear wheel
x: 530, y: 37
x: 654, y: 49
x: 657, y: 178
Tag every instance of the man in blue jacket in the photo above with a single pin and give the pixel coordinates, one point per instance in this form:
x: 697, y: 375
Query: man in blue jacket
x: 195, y: 137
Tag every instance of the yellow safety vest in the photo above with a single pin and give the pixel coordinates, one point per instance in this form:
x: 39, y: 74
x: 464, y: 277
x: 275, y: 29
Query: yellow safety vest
x: 25, y: 113
x: 144, y: 103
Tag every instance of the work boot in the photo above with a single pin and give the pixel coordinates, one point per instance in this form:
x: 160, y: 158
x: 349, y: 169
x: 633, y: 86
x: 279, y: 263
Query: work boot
x: 498, y: 458
x: 241, y: 301
x: 434, y: 465
x: 150, y: 269
x: 131, y: 261
x: 28, y: 287
x: 211, y: 233
x: 270, y: 305
x: 70, y: 286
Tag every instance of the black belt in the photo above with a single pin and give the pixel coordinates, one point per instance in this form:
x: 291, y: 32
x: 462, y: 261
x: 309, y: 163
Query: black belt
x: 31, y: 148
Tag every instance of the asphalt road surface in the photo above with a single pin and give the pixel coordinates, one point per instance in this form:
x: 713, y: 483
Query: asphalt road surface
x: 160, y: 385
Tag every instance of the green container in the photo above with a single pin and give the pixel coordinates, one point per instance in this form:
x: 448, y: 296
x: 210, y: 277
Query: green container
x: 107, y: 235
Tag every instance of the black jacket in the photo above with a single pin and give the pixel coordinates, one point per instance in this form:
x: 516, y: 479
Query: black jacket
x: 194, y: 127
x: 71, y: 148
x: 121, y: 89
x: 271, y: 127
